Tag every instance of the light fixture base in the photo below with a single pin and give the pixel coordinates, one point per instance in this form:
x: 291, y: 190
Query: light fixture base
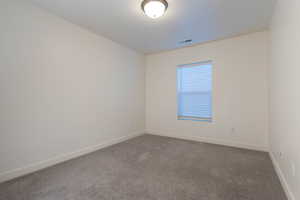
x: 154, y: 8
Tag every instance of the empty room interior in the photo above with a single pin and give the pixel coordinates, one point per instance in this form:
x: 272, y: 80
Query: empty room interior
x: 149, y: 100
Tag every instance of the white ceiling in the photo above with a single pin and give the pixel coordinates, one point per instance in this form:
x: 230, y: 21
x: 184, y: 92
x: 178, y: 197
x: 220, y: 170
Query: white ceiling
x: 200, y: 20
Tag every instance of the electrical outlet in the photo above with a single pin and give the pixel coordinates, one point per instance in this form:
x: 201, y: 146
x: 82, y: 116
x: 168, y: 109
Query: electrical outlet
x: 232, y: 131
x: 293, y: 168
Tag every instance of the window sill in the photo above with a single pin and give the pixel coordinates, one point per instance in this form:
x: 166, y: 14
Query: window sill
x: 198, y: 119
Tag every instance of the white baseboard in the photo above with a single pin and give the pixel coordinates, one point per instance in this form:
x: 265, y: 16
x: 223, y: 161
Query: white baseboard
x: 210, y: 140
x: 61, y: 158
x: 282, y: 178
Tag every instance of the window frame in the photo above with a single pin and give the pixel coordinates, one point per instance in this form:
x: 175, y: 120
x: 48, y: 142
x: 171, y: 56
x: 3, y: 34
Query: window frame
x: 192, y: 118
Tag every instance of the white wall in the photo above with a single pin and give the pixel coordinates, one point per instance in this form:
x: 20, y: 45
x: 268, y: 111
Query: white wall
x: 285, y: 92
x: 240, y: 92
x: 62, y: 89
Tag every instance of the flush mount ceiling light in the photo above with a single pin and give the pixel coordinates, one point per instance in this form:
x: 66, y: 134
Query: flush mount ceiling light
x: 154, y: 8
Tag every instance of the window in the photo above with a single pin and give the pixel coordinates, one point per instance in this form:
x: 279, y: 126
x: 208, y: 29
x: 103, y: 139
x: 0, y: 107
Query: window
x: 194, y: 91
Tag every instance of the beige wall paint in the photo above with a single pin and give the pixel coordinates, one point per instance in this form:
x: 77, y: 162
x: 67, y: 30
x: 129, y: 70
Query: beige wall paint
x: 240, y: 100
x: 62, y: 88
x: 285, y: 93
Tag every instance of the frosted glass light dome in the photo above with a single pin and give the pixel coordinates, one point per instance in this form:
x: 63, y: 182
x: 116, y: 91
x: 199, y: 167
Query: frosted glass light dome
x: 154, y: 8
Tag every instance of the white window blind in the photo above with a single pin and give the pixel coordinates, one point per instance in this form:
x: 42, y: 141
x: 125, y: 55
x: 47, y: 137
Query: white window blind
x: 194, y: 91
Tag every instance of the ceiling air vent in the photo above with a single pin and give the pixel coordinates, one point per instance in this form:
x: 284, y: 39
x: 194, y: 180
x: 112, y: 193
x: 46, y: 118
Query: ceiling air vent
x: 189, y: 41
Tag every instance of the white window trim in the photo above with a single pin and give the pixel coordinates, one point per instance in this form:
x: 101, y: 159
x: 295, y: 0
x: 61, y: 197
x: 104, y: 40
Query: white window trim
x: 191, y: 118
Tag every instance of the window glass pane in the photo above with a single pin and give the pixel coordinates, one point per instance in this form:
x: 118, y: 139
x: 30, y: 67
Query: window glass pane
x: 194, y: 84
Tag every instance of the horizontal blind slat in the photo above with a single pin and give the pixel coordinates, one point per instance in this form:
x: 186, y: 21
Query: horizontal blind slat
x: 194, y: 91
